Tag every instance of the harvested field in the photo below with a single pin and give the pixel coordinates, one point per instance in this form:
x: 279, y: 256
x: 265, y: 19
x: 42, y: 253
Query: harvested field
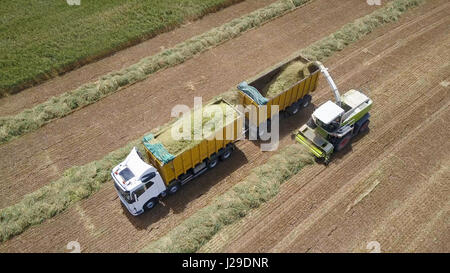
x: 378, y: 190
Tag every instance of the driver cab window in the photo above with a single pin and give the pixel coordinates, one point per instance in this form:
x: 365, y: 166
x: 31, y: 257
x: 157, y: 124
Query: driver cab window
x: 139, y: 191
x: 148, y: 185
x: 146, y: 178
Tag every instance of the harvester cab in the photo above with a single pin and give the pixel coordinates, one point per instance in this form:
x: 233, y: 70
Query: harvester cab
x: 333, y: 124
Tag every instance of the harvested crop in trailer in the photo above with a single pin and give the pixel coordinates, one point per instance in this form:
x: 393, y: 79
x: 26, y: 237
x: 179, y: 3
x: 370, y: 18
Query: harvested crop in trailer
x: 212, y: 116
x: 292, y: 74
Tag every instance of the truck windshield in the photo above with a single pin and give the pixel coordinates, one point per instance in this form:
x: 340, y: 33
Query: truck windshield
x: 127, y: 174
x: 125, y: 194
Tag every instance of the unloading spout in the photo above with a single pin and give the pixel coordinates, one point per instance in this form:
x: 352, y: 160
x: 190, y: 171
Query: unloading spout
x: 330, y: 80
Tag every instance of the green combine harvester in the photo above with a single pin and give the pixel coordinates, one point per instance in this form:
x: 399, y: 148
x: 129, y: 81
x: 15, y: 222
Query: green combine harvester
x: 333, y: 125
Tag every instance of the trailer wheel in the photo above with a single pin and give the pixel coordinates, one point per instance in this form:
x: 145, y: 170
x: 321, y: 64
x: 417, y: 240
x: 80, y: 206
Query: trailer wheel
x: 293, y: 109
x: 151, y: 203
x: 342, y: 142
x: 212, y: 162
x: 226, y: 154
x: 174, y: 188
x: 305, y: 101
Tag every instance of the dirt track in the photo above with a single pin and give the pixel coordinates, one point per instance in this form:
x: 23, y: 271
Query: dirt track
x: 33, y: 160
x: 316, y: 210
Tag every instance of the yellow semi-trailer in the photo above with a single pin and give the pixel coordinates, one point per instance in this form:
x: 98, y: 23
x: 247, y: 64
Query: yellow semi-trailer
x: 291, y: 99
x: 171, y: 163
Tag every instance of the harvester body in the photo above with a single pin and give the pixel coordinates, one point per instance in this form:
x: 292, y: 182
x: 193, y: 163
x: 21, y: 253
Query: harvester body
x: 332, y: 126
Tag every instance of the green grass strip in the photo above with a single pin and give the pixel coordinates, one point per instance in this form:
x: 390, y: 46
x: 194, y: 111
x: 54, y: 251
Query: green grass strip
x: 62, y: 105
x: 261, y: 185
x: 80, y: 182
x: 41, y: 39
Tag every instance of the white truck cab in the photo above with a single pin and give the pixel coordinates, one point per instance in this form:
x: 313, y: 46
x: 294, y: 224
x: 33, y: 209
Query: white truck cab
x: 138, y: 184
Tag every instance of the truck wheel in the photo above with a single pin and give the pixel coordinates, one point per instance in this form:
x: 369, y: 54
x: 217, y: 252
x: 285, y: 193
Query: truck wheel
x: 364, y: 127
x: 342, y: 142
x: 163, y: 194
x: 174, y: 188
x: 212, y: 162
x: 151, y: 203
x: 305, y: 101
x: 226, y: 154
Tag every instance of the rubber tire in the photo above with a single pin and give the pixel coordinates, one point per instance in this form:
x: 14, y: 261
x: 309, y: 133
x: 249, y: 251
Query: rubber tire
x: 163, y: 194
x: 305, y: 101
x: 153, y: 201
x: 226, y: 154
x: 213, y: 162
x: 174, y: 188
x: 364, y: 127
x: 343, y: 142
x: 293, y: 109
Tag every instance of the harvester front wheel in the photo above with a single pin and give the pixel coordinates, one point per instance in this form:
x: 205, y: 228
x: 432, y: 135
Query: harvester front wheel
x: 341, y: 143
x: 364, y: 127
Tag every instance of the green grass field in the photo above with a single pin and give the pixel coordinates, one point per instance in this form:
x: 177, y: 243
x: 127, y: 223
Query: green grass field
x: 39, y: 39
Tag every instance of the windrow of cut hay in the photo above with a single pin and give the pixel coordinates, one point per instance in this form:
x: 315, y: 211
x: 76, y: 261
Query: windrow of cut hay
x: 262, y: 184
x: 80, y: 182
x: 62, y: 105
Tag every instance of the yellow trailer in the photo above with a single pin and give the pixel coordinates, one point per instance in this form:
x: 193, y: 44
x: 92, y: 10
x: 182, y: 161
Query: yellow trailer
x: 199, y: 155
x: 291, y: 100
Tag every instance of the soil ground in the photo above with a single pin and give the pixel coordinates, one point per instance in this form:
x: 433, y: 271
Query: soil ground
x: 390, y: 186
x: 33, y: 160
